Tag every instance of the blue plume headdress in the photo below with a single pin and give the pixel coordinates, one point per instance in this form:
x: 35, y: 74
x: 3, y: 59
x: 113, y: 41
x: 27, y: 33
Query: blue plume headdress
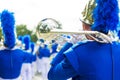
x: 8, y: 29
x: 26, y: 41
x: 53, y: 41
x: 42, y: 40
x: 20, y: 38
x: 32, y: 46
x: 106, y: 16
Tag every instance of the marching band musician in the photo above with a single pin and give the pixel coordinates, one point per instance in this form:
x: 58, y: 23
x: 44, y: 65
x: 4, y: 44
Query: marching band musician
x: 39, y: 60
x: 92, y: 59
x: 32, y: 45
x: 54, y: 47
x: 27, y: 65
x: 44, y: 55
x: 11, y: 58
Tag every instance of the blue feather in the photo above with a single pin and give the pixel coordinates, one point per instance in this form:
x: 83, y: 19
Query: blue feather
x: 53, y: 41
x: 7, y: 23
x: 42, y: 40
x: 119, y: 34
x: 20, y: 38
x: 32, y: 46
x: 106, y: 16
x: 26, y: 41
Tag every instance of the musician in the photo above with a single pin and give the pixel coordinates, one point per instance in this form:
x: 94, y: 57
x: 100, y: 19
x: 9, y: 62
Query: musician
x: 91, y: 59
x: 39, y: 61
x: 27, y: 65
x: 11, y: 58
x: 45, y: 61
x: 54, y: 47
x: 32, y: 46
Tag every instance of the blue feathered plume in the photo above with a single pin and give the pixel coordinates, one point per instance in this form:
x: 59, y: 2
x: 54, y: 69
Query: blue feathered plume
x: 32, y: 46
x: 53, y: 41
x: 20, y: 38
x: 7, y: 23
x: 119, y: 34
x: 26, y: 41
x: 105, y: 15
x: 42, y: 40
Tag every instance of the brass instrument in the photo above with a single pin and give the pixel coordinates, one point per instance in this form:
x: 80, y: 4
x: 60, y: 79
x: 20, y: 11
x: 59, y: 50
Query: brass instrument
x: 97, y: 36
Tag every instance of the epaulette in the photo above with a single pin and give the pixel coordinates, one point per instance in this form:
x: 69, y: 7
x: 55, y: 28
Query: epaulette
x: 79, y: 44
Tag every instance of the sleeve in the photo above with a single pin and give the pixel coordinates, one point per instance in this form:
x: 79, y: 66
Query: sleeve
x: 72, y: 58
x: 27, y: 57
x: 40, y: 55
x: 59, y: 57
x: 61, y: 71
x: 34, y: 59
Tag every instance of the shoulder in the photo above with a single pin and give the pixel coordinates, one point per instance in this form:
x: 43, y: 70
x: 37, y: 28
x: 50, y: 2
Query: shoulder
x: 81, y: 47
x: 79, y: 44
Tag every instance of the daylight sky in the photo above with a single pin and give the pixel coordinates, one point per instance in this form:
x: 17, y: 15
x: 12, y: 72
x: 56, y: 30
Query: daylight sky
x: 30, y: 12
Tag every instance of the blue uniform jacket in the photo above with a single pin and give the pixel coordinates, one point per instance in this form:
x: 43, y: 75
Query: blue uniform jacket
x: 89, y: 61
x: 29, y: 58
x: 44, y: 52
x: 34, y: 58
x: 59, y: 57
x: 11, y: 62
x: 54, y: 48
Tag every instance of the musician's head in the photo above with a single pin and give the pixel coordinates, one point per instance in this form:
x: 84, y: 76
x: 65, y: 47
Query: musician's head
x: 100, y: 15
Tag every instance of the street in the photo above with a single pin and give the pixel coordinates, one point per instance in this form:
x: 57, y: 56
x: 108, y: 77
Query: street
x: 37, y: 77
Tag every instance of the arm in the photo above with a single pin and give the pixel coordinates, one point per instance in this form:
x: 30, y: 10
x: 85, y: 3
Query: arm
x: 61, y: 71
x: 59, y: 57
